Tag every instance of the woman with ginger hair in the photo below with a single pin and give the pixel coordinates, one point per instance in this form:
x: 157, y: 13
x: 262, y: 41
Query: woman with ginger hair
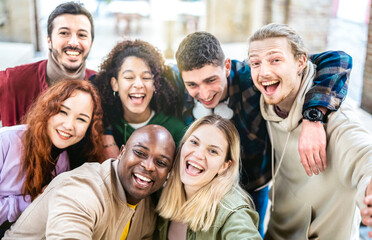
x: 202, y: 198
x: 63, y: 129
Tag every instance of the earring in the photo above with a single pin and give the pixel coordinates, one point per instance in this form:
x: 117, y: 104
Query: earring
x: 115, y: 93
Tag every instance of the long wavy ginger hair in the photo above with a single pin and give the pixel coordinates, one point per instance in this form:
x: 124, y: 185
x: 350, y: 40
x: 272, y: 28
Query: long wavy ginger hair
x: 36, y: 159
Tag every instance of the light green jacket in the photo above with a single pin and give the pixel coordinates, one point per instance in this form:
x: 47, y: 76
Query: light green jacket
x: 235, y: 219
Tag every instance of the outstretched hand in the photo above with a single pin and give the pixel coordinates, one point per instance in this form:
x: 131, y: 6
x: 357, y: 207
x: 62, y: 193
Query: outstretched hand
x: 312, y: 147
x: 367, y: 212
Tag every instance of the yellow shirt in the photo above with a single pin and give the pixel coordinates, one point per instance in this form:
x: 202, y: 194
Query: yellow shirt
x: 126, y: 229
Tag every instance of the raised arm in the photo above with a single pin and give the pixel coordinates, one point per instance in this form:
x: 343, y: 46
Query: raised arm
x: 329, y: 90
x: 331, y: 80
x: 72, y: 215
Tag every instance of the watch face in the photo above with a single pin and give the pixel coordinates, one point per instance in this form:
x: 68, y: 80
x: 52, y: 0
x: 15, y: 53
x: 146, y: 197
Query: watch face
x: 313, y: 114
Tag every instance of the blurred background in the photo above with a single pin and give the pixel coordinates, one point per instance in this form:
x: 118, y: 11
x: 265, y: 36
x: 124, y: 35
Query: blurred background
x: 324, y: 25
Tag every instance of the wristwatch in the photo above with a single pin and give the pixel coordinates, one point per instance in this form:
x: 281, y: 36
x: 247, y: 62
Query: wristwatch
x: 313, y: 114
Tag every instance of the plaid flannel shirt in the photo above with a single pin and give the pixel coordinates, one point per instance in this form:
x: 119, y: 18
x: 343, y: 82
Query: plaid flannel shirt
x: 329, y: 90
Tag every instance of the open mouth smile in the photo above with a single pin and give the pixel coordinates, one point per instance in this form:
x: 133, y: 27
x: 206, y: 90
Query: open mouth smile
x: 142, y: 181
x: 72, y: 52
x: 270, y: 86
x: 193, y: 168
x: 137, y: 98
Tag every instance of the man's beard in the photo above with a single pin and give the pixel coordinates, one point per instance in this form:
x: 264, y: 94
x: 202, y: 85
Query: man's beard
x: 66, y: 67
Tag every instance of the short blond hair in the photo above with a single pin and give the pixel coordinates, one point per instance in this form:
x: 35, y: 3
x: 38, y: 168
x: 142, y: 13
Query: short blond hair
x: 274, y: 30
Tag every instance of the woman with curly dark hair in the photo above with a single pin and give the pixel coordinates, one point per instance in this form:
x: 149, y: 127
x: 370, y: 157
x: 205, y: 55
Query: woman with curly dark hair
x: 65, y: 118
x: 135, y: 93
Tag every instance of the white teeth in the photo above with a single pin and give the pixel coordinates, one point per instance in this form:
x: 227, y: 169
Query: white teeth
x: 209, y: 99
x: 73, y: 53
x: 195, y: 166
x: 143, y: 178
x: 63, y: 134
x: 269, y: 83
x: 137, y: 95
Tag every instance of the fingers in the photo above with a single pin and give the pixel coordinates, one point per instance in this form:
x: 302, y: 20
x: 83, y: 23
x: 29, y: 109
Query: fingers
x: 368, y: 201
x: 318, y: 162
x: 323, y: 157
x: 367, y: 221
x: 305, y: 164
x: 313, y: 165
x: 366, y: 212
x: 313, y: 161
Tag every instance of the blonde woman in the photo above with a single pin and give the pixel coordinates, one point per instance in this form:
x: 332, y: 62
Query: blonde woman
x: 202, y: 198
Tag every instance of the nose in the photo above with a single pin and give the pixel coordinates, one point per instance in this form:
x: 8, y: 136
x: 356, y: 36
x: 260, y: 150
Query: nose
x: 73, y: 41
x: 148, y: 164
x: 68, y: 124
x: 264, y: 70
x: 138, y: 82
x: 199, y: 154
x: 203, y: 93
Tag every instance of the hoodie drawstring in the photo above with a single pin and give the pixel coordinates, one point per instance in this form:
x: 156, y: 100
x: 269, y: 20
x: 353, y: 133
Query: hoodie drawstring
x: 273, y: 172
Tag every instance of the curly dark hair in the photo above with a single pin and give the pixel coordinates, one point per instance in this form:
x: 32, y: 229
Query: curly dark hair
x: 164, y: 99
x: 197, y: 50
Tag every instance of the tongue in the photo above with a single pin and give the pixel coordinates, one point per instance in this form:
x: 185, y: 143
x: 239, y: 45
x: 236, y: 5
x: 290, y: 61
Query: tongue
x: 137, y: 100
x: 272, y: 88
x: 193, y: 170
x: 143, y: 183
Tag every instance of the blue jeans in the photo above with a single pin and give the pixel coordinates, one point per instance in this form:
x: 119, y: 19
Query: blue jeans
x: 261, y: 199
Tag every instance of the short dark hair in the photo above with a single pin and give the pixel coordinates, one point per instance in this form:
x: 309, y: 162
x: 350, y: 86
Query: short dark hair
x: 69, y: 8
x: 197, y: 50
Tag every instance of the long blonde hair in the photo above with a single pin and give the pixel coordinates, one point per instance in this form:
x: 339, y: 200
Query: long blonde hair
x: 199, y: 211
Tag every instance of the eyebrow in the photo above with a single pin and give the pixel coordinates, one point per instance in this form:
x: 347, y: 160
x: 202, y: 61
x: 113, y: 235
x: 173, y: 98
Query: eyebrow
x: 214, y: 146
x: 269, y: 53
x: 146, y: 148
x: 80, y: 29
x: 131, y: 71
x: 165, y: 157
x: 83, y: 114
x: 204, y: 80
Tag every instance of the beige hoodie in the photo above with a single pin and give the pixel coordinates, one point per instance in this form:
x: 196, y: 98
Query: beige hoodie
x: 323, y: 206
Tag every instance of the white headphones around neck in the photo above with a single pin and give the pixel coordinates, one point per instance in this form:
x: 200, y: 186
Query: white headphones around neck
x: 222, y: 109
